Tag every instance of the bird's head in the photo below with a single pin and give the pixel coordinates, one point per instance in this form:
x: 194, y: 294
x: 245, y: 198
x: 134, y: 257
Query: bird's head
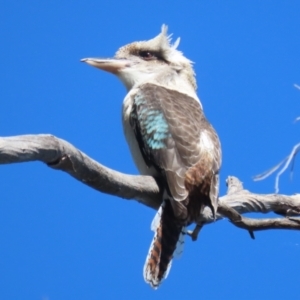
x: 156, y: 60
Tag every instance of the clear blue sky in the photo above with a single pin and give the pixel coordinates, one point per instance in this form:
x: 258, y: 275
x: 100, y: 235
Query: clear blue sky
x: 60, y: 239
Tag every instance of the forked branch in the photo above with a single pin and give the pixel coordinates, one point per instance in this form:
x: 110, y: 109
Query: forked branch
x: 61, y: 155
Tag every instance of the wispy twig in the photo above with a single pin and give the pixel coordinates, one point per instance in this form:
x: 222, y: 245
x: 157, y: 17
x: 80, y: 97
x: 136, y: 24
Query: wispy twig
x: 289, y: 160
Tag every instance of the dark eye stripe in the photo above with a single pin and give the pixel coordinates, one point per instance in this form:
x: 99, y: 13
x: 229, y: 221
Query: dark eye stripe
x: 146, y: 55
x: 150, y: 55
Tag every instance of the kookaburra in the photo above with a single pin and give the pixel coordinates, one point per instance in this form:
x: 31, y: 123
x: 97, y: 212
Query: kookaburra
x: 169, y: 138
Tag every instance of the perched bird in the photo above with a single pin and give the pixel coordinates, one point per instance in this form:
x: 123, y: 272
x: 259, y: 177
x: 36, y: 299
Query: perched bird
x: 169, y: 138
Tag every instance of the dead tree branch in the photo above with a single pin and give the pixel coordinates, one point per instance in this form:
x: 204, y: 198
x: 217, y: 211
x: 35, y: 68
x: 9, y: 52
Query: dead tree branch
x: 61, y: 155
x: 284, y: 164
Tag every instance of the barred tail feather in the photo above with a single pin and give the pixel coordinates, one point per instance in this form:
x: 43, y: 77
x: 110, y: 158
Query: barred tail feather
x: 168, y: 242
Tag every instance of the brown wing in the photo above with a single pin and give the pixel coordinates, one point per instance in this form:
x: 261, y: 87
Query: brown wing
x: 174, y: 135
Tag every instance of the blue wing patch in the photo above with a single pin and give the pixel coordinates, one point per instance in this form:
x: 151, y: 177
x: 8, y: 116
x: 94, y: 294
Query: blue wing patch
x: 149, y: 123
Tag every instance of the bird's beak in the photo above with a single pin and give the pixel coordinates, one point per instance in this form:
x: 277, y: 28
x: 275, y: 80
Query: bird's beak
x: 112, y: 65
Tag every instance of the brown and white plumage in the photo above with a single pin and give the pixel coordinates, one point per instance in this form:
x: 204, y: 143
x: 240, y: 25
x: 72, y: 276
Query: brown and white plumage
x: 169, y: 138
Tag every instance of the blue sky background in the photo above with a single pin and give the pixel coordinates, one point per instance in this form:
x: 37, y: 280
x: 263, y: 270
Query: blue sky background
x: 60, y: 239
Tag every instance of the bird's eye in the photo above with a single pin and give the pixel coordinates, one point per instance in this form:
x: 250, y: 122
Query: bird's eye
x: 147, y: 55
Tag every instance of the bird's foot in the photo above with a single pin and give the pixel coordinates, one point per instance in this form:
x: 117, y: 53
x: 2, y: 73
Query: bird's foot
x: 194, y: 233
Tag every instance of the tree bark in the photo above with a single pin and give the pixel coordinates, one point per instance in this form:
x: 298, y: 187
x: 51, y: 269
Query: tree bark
x: 61, y: 155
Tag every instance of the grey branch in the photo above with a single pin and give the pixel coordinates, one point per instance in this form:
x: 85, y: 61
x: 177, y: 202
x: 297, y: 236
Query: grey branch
x: 61, y: 155
x: 284, y: 164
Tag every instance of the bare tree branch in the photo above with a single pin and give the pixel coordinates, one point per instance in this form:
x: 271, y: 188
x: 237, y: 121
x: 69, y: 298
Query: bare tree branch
x: 61, y: 155
x: 257, y: 224
x: 288, y: 161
